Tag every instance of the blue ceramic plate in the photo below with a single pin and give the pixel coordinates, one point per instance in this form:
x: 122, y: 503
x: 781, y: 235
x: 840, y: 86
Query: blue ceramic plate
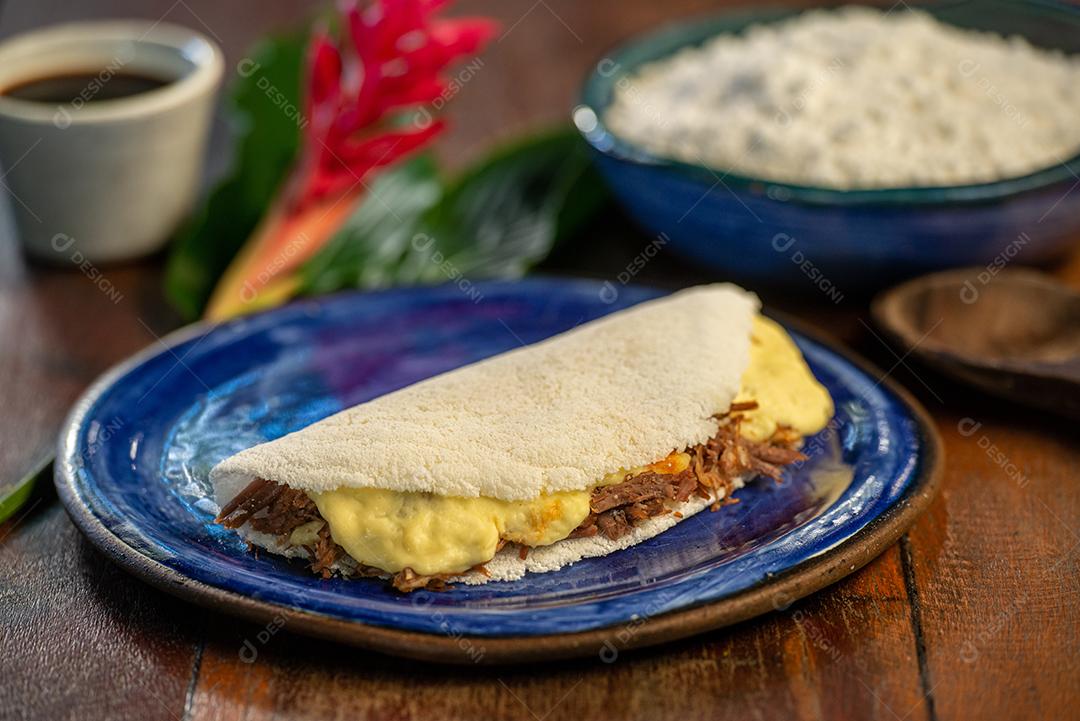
x: 134, y: 459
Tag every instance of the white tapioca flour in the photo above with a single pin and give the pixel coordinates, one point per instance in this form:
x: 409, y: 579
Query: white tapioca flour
x: 857, y: 98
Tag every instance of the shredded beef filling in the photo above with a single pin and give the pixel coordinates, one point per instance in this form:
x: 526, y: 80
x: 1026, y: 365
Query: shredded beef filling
x: 269, y: 507
x: 614, y: 510
x: 714, y: 467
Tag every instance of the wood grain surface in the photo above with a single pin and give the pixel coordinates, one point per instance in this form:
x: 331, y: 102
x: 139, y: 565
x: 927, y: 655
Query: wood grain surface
x: 974, y: 614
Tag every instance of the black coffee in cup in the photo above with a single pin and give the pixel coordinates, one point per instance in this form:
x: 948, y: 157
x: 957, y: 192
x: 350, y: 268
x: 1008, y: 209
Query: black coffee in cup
x: 67, y: 88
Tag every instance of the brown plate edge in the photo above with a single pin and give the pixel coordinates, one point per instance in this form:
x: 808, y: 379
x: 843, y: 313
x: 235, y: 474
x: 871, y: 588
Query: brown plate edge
x: 606, y: 643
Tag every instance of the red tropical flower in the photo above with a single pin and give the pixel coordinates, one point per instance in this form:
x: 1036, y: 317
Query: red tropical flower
x: 362, y: 91
x: 360, y: 102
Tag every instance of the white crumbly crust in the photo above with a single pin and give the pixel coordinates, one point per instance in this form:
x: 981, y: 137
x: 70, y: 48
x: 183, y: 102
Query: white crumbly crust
x: 616, y: 393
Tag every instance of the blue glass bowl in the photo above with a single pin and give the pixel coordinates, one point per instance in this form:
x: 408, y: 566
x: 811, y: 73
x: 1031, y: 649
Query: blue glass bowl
x: 767, y: 232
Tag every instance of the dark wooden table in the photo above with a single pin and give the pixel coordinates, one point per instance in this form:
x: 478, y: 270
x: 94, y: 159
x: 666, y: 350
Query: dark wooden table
x: 975, y: 613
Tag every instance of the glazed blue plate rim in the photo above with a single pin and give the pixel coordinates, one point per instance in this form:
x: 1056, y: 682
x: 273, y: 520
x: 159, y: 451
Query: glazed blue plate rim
x: 699, y: 614
x: 700, y: 28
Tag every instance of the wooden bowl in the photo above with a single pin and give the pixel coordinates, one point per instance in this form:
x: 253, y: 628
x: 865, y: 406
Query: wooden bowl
x: 1014, y: 333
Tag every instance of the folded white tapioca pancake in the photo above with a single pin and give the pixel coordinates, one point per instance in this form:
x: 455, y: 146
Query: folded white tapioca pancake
x: 576, y: 446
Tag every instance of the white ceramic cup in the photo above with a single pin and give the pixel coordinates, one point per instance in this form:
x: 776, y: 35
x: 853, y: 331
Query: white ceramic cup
x: 110, y: 179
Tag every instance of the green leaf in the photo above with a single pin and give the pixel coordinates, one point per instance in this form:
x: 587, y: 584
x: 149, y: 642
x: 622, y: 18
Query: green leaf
x: 13, y: 497
x: 377, y: 234
x: 264, y: 109
x: 498, y: 219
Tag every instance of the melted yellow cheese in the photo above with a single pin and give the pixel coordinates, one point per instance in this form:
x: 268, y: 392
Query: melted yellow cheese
x: 433, y: 534
x: 779, y: 380
x: 307, y: 534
